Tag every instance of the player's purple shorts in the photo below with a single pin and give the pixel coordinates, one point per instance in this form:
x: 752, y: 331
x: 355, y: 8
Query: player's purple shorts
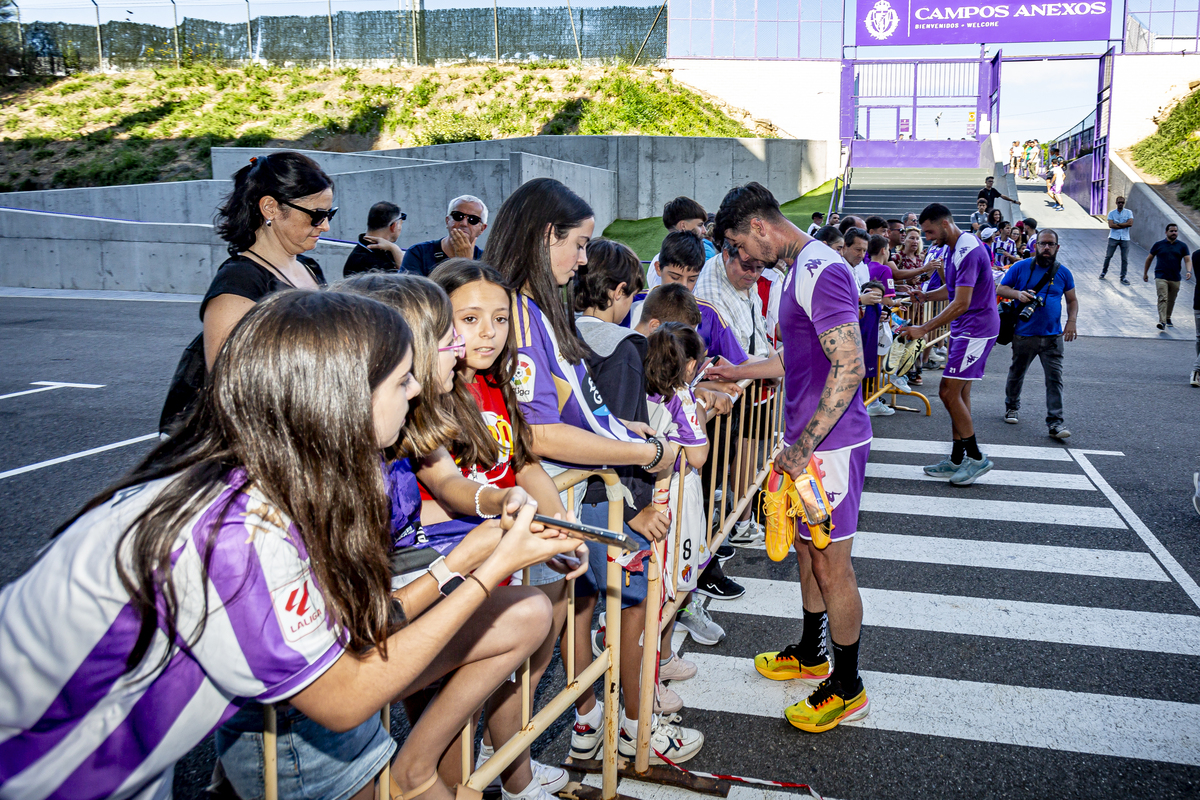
x: 966, y: 357
x: 845, y: 471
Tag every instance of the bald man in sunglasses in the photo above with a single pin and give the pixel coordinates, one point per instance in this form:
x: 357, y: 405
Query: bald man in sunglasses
x: 466, y: 220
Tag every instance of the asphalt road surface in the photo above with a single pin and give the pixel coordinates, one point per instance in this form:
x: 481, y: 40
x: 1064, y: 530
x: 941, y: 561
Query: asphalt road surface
x: 1035, y: 635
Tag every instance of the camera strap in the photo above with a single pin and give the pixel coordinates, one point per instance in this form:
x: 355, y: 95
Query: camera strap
x: 1045, y: 279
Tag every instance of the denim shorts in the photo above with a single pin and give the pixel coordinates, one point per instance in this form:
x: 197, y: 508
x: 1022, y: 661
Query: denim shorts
x: 314, y: 762
x: 633, y: 584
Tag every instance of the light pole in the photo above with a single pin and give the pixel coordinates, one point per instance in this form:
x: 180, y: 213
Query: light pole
x: 249, y: 39
x: 99, y: 41
x: 330, y: 18
x: 175, y: 31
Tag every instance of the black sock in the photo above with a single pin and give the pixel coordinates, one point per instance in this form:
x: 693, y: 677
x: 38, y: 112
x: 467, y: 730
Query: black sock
x: 845, y: 666
x: 956, y: 455
x: 972, y: 448
x: 812, y: 641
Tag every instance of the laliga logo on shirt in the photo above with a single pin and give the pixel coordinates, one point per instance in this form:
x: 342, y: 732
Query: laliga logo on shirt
x: 882, y: 21
x: 523, y: 378
x: 299, y: 608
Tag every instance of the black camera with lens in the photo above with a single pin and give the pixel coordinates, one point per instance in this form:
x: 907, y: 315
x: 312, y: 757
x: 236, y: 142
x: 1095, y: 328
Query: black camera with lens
x: 1030, y: 307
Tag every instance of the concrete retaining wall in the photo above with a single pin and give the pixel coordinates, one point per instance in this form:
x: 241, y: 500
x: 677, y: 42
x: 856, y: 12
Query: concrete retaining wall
x: 989, y: 151
x: 228, y: 160
x: 652, y: 170
x: 423, y: 192
x: 52, y: 251
x: 1150, y: 212
x: 178, y: 202
x: 597, y: 186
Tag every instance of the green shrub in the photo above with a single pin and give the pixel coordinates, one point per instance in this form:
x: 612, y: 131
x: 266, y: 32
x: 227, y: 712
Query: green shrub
x: 423, y: 92
x: 1172, y: 153
x: 43, y: 154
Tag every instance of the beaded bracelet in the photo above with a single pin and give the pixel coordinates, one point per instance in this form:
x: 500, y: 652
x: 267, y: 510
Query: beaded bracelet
x: 658, y: 452
x: 478, y: 510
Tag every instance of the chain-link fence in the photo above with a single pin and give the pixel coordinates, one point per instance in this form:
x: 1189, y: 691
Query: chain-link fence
x: 350, y: 38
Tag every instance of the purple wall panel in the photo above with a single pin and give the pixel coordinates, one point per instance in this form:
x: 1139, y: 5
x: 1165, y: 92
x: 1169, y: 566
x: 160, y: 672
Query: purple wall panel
x: 948, y: 154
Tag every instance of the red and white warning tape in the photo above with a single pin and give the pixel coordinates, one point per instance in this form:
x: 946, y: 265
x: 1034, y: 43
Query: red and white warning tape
x: 740, y: 779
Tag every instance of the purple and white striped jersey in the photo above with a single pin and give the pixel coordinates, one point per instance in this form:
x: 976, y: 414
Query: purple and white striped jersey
x: 73, y: 725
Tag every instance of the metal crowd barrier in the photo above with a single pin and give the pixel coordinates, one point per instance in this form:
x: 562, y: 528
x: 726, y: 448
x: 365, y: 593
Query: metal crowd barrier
x: 761, y: 425
x: 607, y: 664
x: 881, y: 385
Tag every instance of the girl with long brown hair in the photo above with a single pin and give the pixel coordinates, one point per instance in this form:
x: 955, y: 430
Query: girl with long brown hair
x: 538, y: 241
x: 246, y: 560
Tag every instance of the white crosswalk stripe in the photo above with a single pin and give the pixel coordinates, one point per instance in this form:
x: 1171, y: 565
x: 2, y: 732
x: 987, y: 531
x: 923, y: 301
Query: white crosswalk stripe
x: 949, y: 706
x: 1006, y: 555
x: 1005, y: 619
x: 1001, y: 510
x: 1078, y: 722
x: 942, y: 448
x: 997, y: 477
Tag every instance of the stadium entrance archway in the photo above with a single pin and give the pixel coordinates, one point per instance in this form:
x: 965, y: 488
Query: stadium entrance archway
x: 919, y: 113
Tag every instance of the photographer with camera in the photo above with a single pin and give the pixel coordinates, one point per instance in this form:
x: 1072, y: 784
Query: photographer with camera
x: 1039, y: 285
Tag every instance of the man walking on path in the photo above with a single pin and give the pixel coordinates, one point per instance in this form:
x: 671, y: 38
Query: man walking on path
x: 1043, y: 283
x: 990, y: 193
x: 1173, y: 259
x: 1196, y: 310
x: 1120, y: 220
x: 974, y: 323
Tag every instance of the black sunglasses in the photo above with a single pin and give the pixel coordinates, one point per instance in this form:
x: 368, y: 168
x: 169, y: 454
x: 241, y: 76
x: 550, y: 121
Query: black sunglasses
x: 459, y: 216
x: 317, y: 215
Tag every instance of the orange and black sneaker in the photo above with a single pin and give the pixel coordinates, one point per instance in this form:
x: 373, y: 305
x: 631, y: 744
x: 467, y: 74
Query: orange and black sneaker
x: 785, y: 665
x: 828, y: 706
x: 780, y: 505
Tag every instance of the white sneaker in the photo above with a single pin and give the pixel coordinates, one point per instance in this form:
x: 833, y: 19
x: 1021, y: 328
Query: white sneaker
x: 598, y: 640
x: 551, y: 778
x: 667, y: 701
x: 1196, y: 377
x: 746, y: 533
x: 676, y: 669
x: 879, y: 409
x: 534, y: 791
x: 901, y: 383
x: 587, y: 740
x: 668, y: 737
x: 699, y: 624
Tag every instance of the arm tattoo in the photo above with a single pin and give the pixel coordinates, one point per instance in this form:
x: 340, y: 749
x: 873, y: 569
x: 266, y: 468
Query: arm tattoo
x: 843, y: 348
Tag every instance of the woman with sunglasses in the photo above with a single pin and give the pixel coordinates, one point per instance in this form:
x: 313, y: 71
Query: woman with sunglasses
x: 280, y: 205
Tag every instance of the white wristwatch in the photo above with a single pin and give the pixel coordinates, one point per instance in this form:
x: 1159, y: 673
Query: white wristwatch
x: 447, y: 581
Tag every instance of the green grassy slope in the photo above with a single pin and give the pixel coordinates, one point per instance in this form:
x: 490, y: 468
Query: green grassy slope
x: 159, y: 125
x: 1173, y: 153
x: 646, y: 235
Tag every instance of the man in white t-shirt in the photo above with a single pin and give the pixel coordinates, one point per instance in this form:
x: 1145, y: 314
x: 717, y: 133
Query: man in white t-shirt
x: 818, y: 221
x: 1120, y: 220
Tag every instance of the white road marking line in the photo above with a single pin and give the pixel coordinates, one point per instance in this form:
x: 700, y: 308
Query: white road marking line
x: 1185, y: 581
x: 1015, y: 620
x: 997, y: 477
x: 1000, y: 555
x: 1107, y: 725
x: 942, y: 448
x: 1004, y: 510
x: 49, y: 386
x: 83, y: 454
x: 737, y: 791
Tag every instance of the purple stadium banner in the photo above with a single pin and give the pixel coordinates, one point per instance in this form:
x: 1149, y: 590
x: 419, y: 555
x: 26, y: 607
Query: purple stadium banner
x: 925, y: 22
